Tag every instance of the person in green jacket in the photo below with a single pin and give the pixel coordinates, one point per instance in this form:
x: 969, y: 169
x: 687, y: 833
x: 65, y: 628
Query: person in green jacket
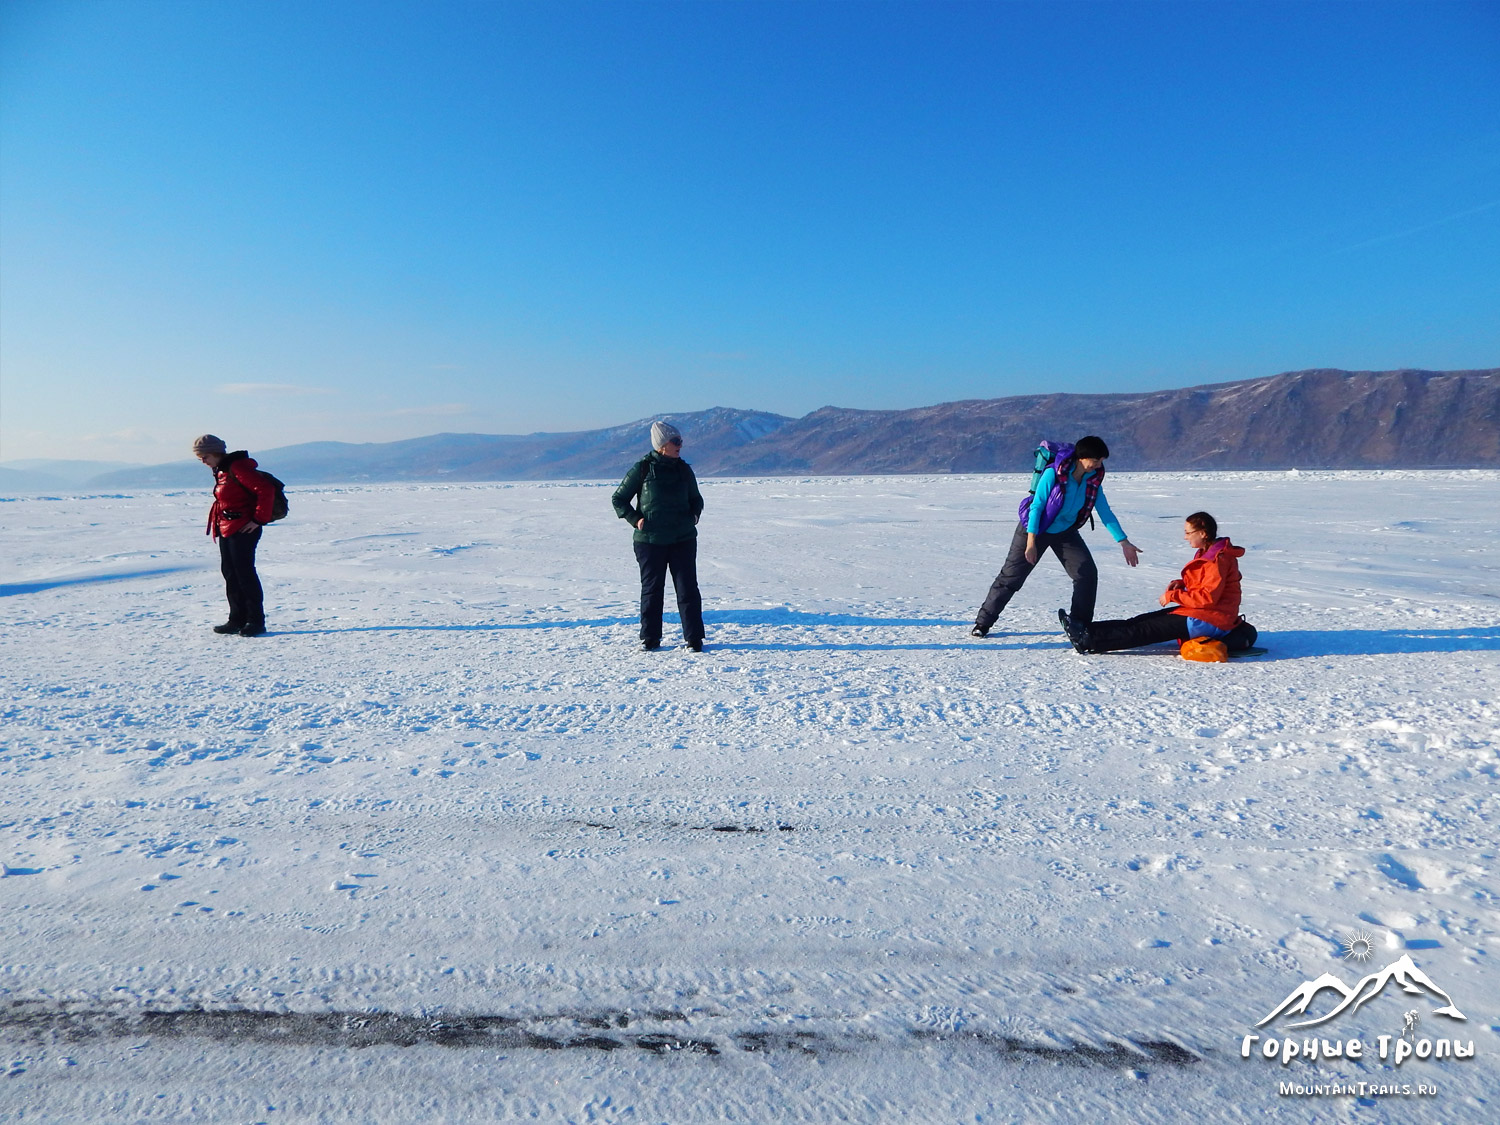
x: 659, y: 497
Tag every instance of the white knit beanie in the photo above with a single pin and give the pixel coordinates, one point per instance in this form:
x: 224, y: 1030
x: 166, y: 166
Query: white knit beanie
x: 663, y: 432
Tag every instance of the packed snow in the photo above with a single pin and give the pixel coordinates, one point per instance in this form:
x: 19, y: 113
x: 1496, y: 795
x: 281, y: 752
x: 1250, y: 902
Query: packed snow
x: 444, y: 845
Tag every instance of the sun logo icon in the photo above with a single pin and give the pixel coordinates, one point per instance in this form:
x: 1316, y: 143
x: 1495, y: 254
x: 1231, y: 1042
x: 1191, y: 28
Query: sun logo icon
x: 1359, y: 946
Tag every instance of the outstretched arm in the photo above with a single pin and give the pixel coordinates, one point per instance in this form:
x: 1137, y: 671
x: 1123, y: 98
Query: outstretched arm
x: 1112, y: 525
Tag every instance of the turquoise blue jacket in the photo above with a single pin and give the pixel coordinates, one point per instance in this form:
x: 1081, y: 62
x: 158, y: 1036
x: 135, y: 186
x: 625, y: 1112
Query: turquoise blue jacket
x: 1073, y: 497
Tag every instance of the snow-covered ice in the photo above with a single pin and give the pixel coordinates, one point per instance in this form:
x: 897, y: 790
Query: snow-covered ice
x: 446, y: 846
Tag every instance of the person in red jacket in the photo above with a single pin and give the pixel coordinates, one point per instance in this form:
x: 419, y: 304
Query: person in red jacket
x: 243, y: 498
x: 1204, y: 602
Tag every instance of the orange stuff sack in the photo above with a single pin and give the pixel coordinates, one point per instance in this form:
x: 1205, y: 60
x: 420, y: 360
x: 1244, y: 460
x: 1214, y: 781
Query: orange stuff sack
x: 1206, y: 650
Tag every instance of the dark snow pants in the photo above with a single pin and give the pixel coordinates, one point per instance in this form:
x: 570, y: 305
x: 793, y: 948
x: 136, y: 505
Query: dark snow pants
x: 1134, y: 632
x: 655, y: 560
x: 1157, y: 626
x: 241, y: 583
x: 1070, y: 550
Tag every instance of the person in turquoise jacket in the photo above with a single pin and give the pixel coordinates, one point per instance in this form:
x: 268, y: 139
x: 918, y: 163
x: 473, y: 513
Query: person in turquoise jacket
x: 1059, y: 508
x: 659, y: 498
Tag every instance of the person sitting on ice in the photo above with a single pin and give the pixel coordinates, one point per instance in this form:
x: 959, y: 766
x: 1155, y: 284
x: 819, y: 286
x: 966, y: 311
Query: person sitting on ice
x: 1203, y: 603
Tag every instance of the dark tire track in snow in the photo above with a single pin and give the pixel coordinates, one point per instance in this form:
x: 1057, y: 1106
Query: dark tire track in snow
x: 598, y: 1031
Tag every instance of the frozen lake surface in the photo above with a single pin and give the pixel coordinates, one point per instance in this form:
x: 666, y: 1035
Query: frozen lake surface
x: 446, y: 846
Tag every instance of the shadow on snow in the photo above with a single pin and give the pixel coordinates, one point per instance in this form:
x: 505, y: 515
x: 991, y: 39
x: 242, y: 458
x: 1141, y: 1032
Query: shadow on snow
x: 15, y: 588
x: 710, y: 617
x: 1286, y: 644
x: 1294, y: 644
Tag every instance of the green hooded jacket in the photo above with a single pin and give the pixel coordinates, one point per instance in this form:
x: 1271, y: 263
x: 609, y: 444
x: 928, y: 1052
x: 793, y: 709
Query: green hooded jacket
x: 664, y: 490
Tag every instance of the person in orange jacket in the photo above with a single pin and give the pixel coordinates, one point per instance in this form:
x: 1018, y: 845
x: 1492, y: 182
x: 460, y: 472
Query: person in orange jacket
x: 1204, y: 602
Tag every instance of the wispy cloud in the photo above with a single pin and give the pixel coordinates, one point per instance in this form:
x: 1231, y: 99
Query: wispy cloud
x: 270, y: 389
x: 437, y: 409
x: 132, y: 435
x: 1490, y: 206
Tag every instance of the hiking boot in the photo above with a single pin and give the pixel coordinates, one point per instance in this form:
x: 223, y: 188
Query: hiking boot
x: 696, y: 646
x: 979, y: 631
x: 1078, y: 635
x: 252, y: 630
x: 650, y: 646
x: 229, y: 627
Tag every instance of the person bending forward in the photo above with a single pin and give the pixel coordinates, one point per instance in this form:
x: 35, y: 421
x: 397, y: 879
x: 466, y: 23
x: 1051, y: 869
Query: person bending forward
x: 1059, y: 508
x: 243, y: 499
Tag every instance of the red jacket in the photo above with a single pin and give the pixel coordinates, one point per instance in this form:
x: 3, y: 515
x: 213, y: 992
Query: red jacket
x: 1210, y: 585
x: 240, y: 494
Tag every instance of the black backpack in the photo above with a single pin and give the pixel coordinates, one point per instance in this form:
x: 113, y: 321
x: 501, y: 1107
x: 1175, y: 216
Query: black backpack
x: 279, y: 506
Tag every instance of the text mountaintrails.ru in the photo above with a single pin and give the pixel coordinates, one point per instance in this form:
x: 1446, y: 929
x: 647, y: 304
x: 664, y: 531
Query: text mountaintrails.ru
x: 1356, y: 1090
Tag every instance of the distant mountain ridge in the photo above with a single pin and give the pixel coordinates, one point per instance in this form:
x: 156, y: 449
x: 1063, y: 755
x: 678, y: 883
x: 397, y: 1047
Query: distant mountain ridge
x: 1302, y: 419
x: 39, y: 474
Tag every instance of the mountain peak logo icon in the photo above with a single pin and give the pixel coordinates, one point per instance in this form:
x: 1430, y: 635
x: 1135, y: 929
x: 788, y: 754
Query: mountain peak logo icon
x: 1403, y: 971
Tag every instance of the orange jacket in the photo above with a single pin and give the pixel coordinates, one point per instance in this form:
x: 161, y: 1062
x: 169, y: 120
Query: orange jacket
x: 1210, y: 585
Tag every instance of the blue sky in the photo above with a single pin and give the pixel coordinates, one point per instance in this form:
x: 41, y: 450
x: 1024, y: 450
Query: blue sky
x: 364, y: 221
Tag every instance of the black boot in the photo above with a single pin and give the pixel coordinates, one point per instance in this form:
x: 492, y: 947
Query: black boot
x: 979, y: 631
x: 1078, y: 635
x: 229, y: 627
x: 253, y: 629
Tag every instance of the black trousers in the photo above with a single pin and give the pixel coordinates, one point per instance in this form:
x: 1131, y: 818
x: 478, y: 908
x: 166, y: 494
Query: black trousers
x: 1070, y: 550
x: 1133, y: 632
x: 1157, y: 626
x: 681, y: 558
x: 241, y: 583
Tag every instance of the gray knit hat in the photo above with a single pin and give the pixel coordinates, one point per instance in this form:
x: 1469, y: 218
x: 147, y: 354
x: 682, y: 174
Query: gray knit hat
x: 663, y: 432
x: 209, y: 444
